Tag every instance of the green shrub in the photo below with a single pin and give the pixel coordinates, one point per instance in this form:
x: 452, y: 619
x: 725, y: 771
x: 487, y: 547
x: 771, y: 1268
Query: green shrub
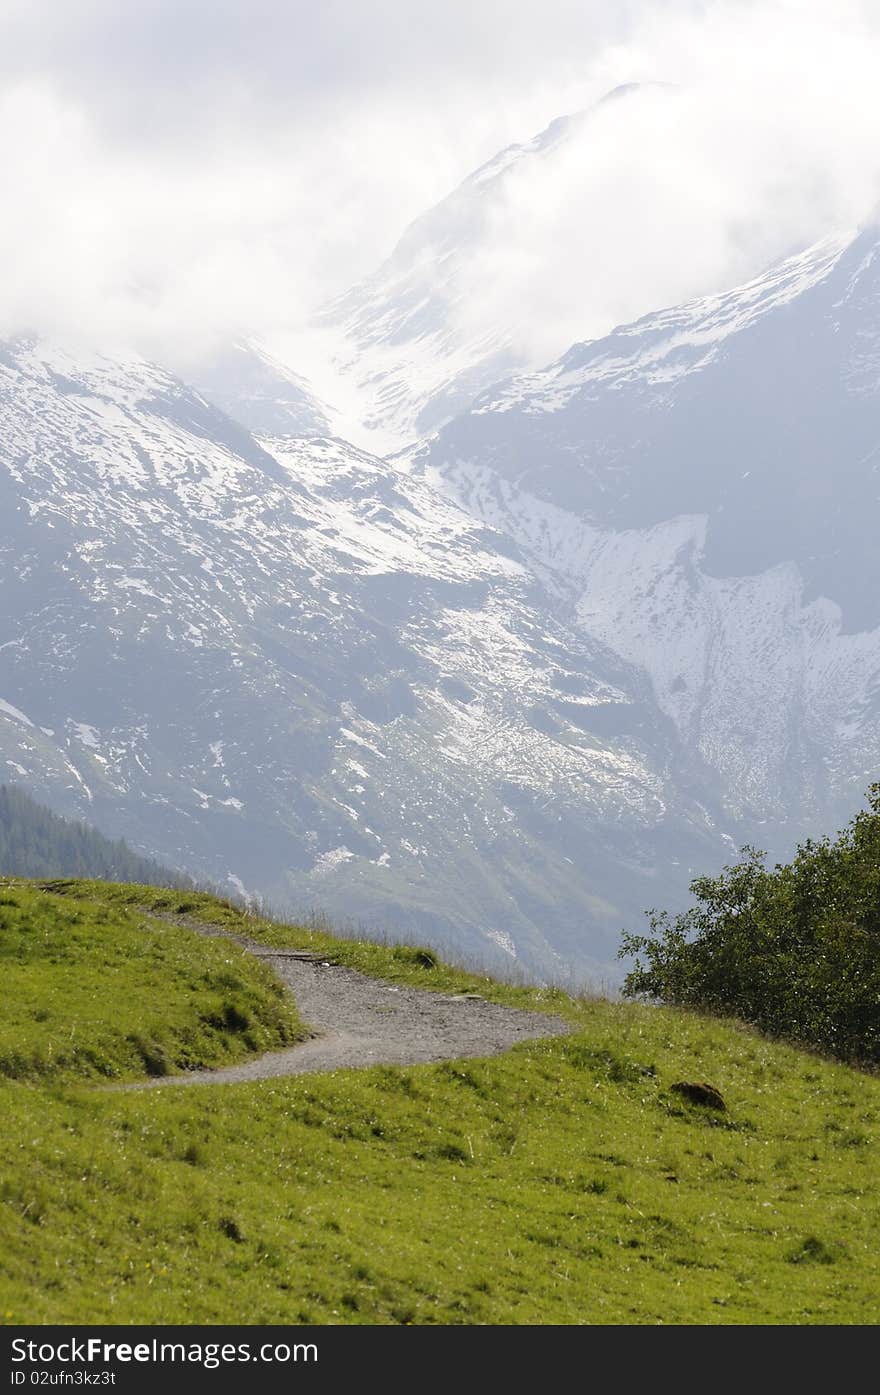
x: 794, y: 949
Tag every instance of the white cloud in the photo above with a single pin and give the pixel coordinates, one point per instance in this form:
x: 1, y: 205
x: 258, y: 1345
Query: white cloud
x: 173, y: 169
x: 768, y: 140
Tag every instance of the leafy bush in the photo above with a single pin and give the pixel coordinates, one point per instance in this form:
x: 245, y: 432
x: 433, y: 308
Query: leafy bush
x: 794, y: 949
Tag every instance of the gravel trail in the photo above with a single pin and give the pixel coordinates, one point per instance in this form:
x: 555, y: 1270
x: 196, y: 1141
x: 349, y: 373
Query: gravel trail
x: 361, y: 1021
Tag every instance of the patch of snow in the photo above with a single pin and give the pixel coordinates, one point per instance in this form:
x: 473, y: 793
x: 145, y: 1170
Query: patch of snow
x: 133, y: 583
x: 329, y: 861
x: 503, y: 940
x: 360, y: 741
x: 15, y: 712
x: 87, y: 734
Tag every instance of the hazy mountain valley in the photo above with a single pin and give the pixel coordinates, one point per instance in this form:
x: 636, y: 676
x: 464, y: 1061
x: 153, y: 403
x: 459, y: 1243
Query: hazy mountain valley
x: 439, y: 681
x: 584, y: 632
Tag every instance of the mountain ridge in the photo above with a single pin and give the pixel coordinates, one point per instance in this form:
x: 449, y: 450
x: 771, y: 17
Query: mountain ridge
x: 688, y: 480
x: 592, y: 634
x: 307, y: 675
x: 405, y: 338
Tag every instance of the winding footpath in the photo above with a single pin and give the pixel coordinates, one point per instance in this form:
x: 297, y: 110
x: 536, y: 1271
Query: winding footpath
x: 361, y: 1021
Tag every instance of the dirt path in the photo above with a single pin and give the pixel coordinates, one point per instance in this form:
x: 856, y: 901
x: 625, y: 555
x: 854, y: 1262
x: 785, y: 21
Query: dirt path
x: 360, y: 1021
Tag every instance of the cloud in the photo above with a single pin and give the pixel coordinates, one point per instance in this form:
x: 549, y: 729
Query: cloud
x: 175, y: 63
x: 768, y: 139
x: 173, y: 170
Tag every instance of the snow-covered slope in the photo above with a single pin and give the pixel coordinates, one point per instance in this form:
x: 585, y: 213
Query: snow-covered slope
x: 418, y: 339
x: 247, y: 382
x: 703, y: 488
x: 291, y: 668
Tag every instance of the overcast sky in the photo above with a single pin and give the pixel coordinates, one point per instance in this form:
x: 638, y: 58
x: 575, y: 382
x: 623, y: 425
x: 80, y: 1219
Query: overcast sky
x: 175, y: 165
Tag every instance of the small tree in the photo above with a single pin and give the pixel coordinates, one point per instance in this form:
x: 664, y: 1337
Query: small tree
x: 794, y: 950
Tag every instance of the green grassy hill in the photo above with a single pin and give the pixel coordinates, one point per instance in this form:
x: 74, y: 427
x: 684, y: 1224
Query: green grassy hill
x: 564, y: 1182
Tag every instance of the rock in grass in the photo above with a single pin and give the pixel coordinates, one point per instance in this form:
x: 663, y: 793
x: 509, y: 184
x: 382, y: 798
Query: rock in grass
x: 700, y: 1092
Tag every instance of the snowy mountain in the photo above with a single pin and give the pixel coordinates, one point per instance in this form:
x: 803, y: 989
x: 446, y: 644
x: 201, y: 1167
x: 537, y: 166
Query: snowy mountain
x: 503, y: 690
x: 418, y: 339
x: 250, y: 384
x: 289, y: 667
x: 703, y: 489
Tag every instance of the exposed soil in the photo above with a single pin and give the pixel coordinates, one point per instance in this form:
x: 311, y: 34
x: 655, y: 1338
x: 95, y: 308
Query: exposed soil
x: 361, y: 1021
